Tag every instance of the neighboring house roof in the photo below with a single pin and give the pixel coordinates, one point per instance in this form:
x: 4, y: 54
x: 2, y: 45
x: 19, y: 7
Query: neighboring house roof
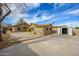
x: 41, y: 25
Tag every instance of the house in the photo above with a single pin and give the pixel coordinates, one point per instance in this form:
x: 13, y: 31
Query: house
x: 41, y: 29
x: 21, y: 26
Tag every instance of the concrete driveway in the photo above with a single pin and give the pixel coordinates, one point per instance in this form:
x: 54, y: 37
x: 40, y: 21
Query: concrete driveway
x: 51, y: 45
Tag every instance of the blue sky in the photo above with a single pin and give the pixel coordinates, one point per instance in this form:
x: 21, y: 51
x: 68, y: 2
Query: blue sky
x: 44, y: 13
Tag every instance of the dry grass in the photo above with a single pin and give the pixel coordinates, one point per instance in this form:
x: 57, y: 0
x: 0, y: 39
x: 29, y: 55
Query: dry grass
x: 5, y: 42
x: 76, y: 31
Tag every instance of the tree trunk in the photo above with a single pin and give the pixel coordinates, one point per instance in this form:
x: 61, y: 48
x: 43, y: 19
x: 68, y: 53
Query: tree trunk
x: 1, y: 33
x: 0, y: 22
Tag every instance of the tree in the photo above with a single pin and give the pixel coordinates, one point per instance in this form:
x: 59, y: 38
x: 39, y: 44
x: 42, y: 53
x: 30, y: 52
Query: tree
x: 0, y: 22
x: 2, y: 17
x: 10, y: 10
x: 77, y: 27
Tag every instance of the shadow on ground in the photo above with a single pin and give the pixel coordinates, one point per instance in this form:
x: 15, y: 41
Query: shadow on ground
x: 18, y: 50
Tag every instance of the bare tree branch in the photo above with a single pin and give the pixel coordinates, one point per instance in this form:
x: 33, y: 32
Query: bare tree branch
x: 6, y: 13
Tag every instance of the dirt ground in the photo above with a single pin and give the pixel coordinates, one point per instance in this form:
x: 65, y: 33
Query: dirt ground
x: 56, y: 45
x: 51, y: 45
x: 22, y: 36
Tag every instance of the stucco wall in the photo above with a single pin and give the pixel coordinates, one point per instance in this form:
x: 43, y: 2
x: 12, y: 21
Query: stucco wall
x: 13, y: 29
x: 41, y: 31
x: 54, y: 29
x: 21, y: 28
x: 49, y: 31
x: 38, y: 31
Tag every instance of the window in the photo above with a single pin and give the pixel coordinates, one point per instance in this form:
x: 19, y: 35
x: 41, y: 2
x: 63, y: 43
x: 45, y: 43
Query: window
x: 24, y: 27
x: 47, y: 28
x: 50, y: 28
x: 18, y: 28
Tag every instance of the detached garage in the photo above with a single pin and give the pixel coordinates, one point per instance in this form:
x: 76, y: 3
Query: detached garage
x: 65, y: 30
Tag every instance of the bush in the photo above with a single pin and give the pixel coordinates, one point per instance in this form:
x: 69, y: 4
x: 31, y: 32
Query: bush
x: 6, y: 42
x: 77, y: 27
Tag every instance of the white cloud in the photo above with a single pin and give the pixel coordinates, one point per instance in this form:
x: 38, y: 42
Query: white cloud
x: 58, y: 5
x: 30, y: 20
x: 18, y: 11
x: 20, y: 8
x: 75, y: 12
x: 71, y: 24
x: 72, y: 10
x: 33, y: 5
x: 35, y: 19
x: 44, y: 16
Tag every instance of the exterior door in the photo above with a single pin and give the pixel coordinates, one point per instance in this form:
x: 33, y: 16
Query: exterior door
x: 64, y: 30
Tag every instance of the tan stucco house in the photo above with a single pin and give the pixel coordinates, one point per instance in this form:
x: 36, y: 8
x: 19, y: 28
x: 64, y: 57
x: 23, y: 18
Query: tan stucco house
x: 21, y: 26
x: 41, y: 29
